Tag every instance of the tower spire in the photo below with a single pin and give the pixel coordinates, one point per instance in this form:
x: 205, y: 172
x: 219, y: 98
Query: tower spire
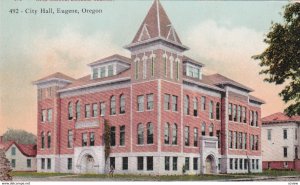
x: 156, y: 26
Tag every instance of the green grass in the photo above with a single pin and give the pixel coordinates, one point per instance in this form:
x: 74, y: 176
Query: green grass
x: 35, y: 174
x: 130, y: 177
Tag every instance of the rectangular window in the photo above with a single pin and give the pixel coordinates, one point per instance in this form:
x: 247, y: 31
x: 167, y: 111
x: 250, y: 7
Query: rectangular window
x: 112, y: 136
x: 125, y: 163
x: 167, y: 163
x: 70, y: 164
x: 230, y: 139
x: 296, y: 133
x: 211, y: 110
x: 234, y: 143
x: 102, y: 109
x: 140, y: 163
x: 284, y: 133
x: 285, y: 154
x: 175, y: 163
x: 84, y: 139
x: 174, y: 103
x: 203, y: 103
x: 70, y: 139
x: 231, y: 164
x: 219, y: 164
x: 44, y: 115
x: 48, y: 163
x: 239, y: 113
x: 240, y: 140
x: 269, y: 134
x: 245, y: 164
x: 149, y: 101
x: 43, y: 163
x: 102, y: 72
x: 92, y: 139
x: 195, y: 136
x: 140, y: 105
x: 95, y: 110
x: 230, y: 112
x: 167, y: 102
x: 13, y: 163
x: 112, y: 162
x: 49, y: 115
x: 187, y: 136
x: 149, y: 163
x: 13, y: 151
x: 95, y: 73
x: 187, y: 163
x: 257, y: 164
x: 28, y: 163
x: 87, y: 111
x: 245, y: 141
x: 253, y: 164
x: 122, y: 135
x: 122, y: 104
x: 236, y: 164
x: 218, y: 133
x: 195, y: 161
x: 110, y: 70
x: 241, y: 164
x: 234, y: 113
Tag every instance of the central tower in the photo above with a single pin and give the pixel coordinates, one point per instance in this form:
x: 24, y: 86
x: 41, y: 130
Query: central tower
x: 156, y: 49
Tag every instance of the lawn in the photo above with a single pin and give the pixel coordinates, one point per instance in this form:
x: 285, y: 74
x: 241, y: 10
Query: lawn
x: 129, y: 177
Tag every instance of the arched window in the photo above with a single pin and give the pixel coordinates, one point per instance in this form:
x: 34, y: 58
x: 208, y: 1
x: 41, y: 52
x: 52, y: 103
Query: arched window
x: 145, y: 68
x: 43, y: 140
x: 177, y: 69
x: 113, y: 105
x: 140, y: 134
x: 70, y: 111
x: 49, y: 139
x: 136, y: 69
x: 203, y: 127
x: 195, y: 102
x: 165, y: 65
x: 195, y: 136
x: 186, y: 105
x: 211, y: 130
x: 167, y: 133
x: 174, y: 134
x: 218, y: 110
x: 122, y: 104
x: 150, y: 133
x: 77, y: 110
x: 171, y: 67
x: 152, y: 65
x: 211, y: 110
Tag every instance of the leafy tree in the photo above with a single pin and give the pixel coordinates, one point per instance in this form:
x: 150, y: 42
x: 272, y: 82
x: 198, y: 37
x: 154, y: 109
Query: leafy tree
x: 281, y: 60
x: 5, y: 168
x: 20, y: 136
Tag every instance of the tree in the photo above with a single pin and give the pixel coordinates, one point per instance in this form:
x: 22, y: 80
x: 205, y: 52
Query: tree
x: 20, y: 136
x: 281, y: 60
x: 4, y: 166
x: 106, y: 140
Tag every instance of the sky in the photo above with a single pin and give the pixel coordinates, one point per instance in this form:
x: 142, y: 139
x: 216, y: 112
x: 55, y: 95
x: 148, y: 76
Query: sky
x: 221, y: 34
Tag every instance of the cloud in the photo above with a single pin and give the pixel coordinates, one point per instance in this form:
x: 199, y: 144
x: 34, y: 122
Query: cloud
x: 227, y: 50
x: 68, y: 52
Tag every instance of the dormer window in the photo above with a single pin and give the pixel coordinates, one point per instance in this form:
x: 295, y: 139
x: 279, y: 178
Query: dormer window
x: 110, y: 70
x: 109, y: 66
x: 193, y: 71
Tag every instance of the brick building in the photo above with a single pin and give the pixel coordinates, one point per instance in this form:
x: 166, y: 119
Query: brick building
x: 164, y: 113
x: 280, y: 142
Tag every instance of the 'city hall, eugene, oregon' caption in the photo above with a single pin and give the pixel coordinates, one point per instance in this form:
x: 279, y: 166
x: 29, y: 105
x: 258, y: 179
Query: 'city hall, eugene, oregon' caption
x: 32, y: 11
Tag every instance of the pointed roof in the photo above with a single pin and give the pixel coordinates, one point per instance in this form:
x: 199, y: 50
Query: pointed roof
x: 157, y: 25
x: 57, y: 75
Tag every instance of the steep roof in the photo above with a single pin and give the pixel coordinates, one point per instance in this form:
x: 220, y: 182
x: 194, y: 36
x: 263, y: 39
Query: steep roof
x: 157, y: 25
x: 185, y: 58
x: 110, y: 58
x: 280, y: 117
x: 57, y: 75
x: 28, y: 150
